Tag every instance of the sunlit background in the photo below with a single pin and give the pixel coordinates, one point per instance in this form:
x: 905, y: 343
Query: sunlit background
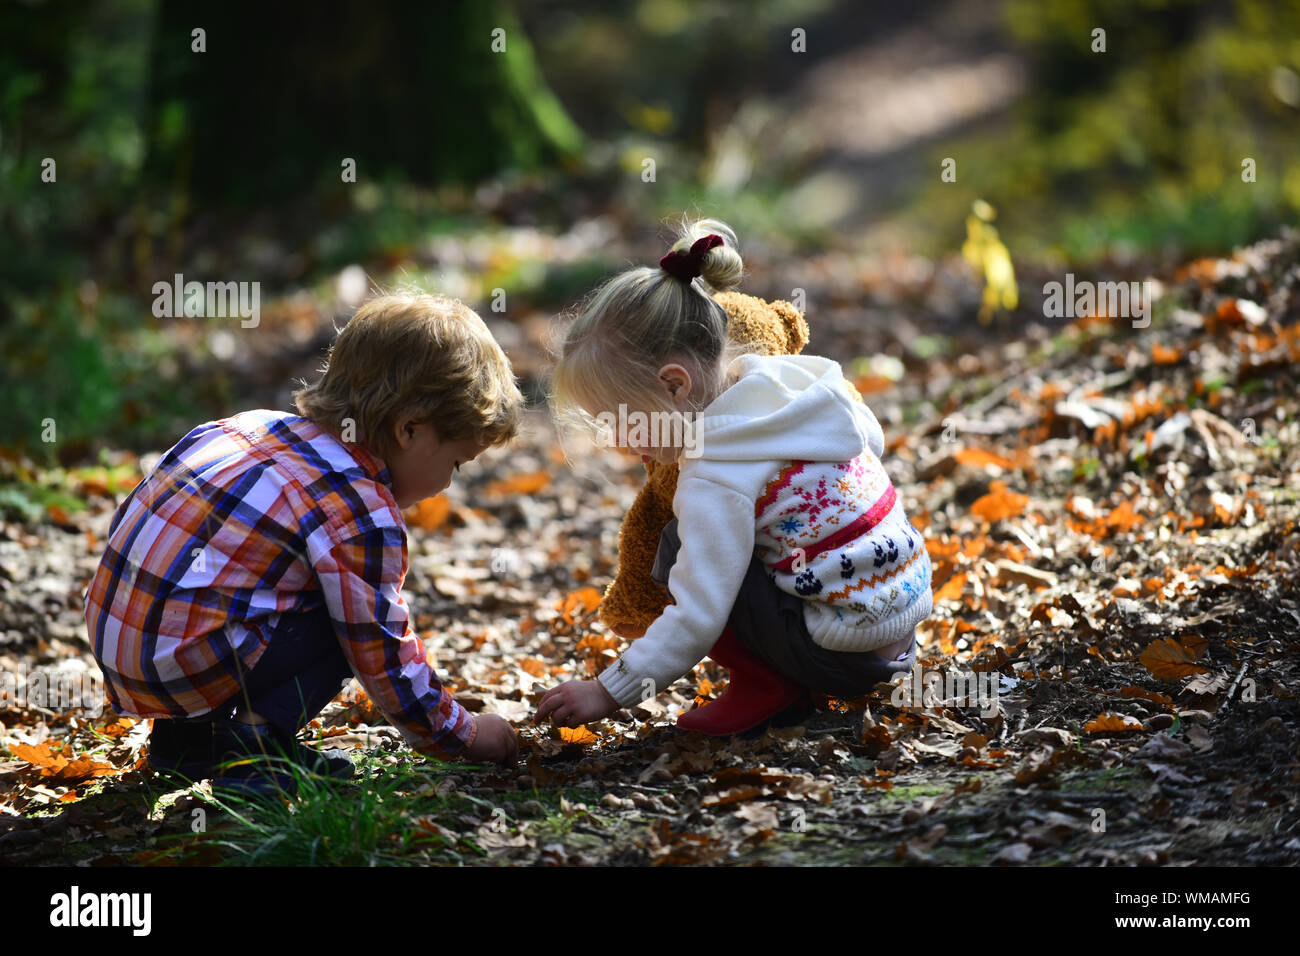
x: 819, y: 129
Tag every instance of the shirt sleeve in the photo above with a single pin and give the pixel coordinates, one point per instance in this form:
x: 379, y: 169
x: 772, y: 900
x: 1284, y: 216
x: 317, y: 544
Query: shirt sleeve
x: 361, y: 578
x: 716, y: 526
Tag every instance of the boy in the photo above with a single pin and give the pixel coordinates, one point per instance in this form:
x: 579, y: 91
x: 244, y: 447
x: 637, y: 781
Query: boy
x: 260, y: 564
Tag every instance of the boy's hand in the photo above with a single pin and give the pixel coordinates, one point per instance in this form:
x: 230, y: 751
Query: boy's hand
x: 495, y: 741
x: 576, y: 702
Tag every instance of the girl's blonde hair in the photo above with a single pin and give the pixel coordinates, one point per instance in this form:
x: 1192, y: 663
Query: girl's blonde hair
x: 642, y: 319
x: 426, y: 356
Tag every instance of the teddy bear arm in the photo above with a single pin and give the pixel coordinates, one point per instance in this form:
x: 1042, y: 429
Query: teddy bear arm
x: 633, y: 600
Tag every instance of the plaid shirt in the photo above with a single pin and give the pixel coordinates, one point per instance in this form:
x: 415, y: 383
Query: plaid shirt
x: 247, y: 518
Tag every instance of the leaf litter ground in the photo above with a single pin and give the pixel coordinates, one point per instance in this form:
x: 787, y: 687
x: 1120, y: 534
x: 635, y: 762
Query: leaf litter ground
x: 1112, y: 515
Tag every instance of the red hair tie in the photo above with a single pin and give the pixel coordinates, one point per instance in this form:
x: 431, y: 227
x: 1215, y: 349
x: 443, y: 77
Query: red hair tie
x: 688, y: 264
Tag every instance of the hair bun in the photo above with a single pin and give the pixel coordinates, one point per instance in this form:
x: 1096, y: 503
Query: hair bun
x: 686, y: 265
x: 720, y: 265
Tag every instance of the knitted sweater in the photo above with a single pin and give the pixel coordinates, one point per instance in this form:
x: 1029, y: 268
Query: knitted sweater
x: 789, y: 469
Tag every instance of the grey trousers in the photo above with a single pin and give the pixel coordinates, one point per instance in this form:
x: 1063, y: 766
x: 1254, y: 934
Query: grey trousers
x: 770, y: 623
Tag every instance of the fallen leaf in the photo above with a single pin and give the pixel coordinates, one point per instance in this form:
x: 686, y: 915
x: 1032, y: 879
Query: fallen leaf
x: 520, y: 484
x: 952, y: 588
x: 430, y: 514
x: 978, y: 458
x: 1206, y: 683
x: 577, y: 735
x: 1053, y: 736
x: 57, y: 768
x: 1108, y: 723
x: 1168, y: 659
x: 999, y: 503
x: 584, y: 599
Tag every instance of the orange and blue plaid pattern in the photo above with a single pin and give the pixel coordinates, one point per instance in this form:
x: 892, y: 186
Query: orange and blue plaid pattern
x: 245, y: 519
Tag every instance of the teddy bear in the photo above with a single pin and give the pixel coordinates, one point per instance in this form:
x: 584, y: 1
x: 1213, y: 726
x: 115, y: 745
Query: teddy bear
x: 632, y: 601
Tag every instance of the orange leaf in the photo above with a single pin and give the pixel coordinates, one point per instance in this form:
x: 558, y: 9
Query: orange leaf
x: 871, y: 384
x: 577, y: 735
x: 57, y: 768
x: 999, y: 503
x: 118, y: 728
x: 978, y: 458
x: 586, y: 599
x: 429, y: 514
x: 1122, y: 519
x: 1169, y: 659
x: 1108, y: 723
x: 40, y: 756
x: 533, y: 666
x: 81, y: 769
x: 952, y: 588
x: 594, y: 648
x: 945, y: 548
x: 1229, y: 313
x: 1144, y: 694
x: 520, y: 484
x: 1165, y: 356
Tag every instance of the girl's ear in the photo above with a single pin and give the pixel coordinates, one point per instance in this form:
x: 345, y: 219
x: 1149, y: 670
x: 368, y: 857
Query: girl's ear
x: 676, y: 381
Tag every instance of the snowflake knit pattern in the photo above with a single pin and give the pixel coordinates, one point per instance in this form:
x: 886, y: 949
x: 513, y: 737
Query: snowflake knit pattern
x: 835, y: 534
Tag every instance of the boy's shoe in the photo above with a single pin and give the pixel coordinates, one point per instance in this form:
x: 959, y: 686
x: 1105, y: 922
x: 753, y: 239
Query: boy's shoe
x: 262, y: 760
x: 182, y: 748
x: 755, y: 693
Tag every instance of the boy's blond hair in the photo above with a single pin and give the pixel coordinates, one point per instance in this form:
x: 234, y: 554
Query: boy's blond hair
x: 424, y: 356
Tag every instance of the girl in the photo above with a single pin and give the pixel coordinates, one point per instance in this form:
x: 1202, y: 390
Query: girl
x: 790, y: 560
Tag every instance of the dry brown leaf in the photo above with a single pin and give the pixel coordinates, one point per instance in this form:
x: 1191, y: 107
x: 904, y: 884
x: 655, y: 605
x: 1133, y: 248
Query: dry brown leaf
x: 577, y: 735
x: 1138, y: 692
x: 1206, y: 683
x: 57, y: 768
x: 1108, y: 723
x: 734, y: 795
x: 1169, y: 659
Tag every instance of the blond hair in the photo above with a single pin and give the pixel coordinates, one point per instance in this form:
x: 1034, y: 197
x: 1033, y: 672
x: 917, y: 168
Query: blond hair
x: 424, y: 356
x: 643, y: 318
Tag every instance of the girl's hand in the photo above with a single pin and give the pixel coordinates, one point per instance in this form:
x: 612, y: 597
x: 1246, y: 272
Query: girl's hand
x: 576, y: 702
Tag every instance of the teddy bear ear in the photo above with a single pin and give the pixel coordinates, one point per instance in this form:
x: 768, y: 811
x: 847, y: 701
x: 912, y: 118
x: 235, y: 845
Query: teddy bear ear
x: 796, y: 329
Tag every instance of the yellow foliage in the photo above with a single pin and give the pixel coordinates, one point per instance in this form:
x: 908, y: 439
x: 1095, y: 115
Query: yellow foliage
x: 986, y: 252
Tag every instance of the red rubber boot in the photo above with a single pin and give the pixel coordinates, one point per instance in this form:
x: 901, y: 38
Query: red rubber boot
x: 754, y: 692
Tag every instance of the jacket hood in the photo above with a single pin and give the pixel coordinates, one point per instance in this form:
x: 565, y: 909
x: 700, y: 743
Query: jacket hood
x: 787, y: 407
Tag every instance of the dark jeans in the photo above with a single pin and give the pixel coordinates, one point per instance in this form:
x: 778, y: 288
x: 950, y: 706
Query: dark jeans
x: 301, y: 670
x: 770, y: 623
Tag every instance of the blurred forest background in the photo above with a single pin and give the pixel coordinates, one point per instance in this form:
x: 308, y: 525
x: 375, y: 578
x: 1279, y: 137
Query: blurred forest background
x: 522, y: 170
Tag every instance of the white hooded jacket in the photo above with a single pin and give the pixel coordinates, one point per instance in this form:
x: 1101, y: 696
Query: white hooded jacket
x: 788, y: 468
